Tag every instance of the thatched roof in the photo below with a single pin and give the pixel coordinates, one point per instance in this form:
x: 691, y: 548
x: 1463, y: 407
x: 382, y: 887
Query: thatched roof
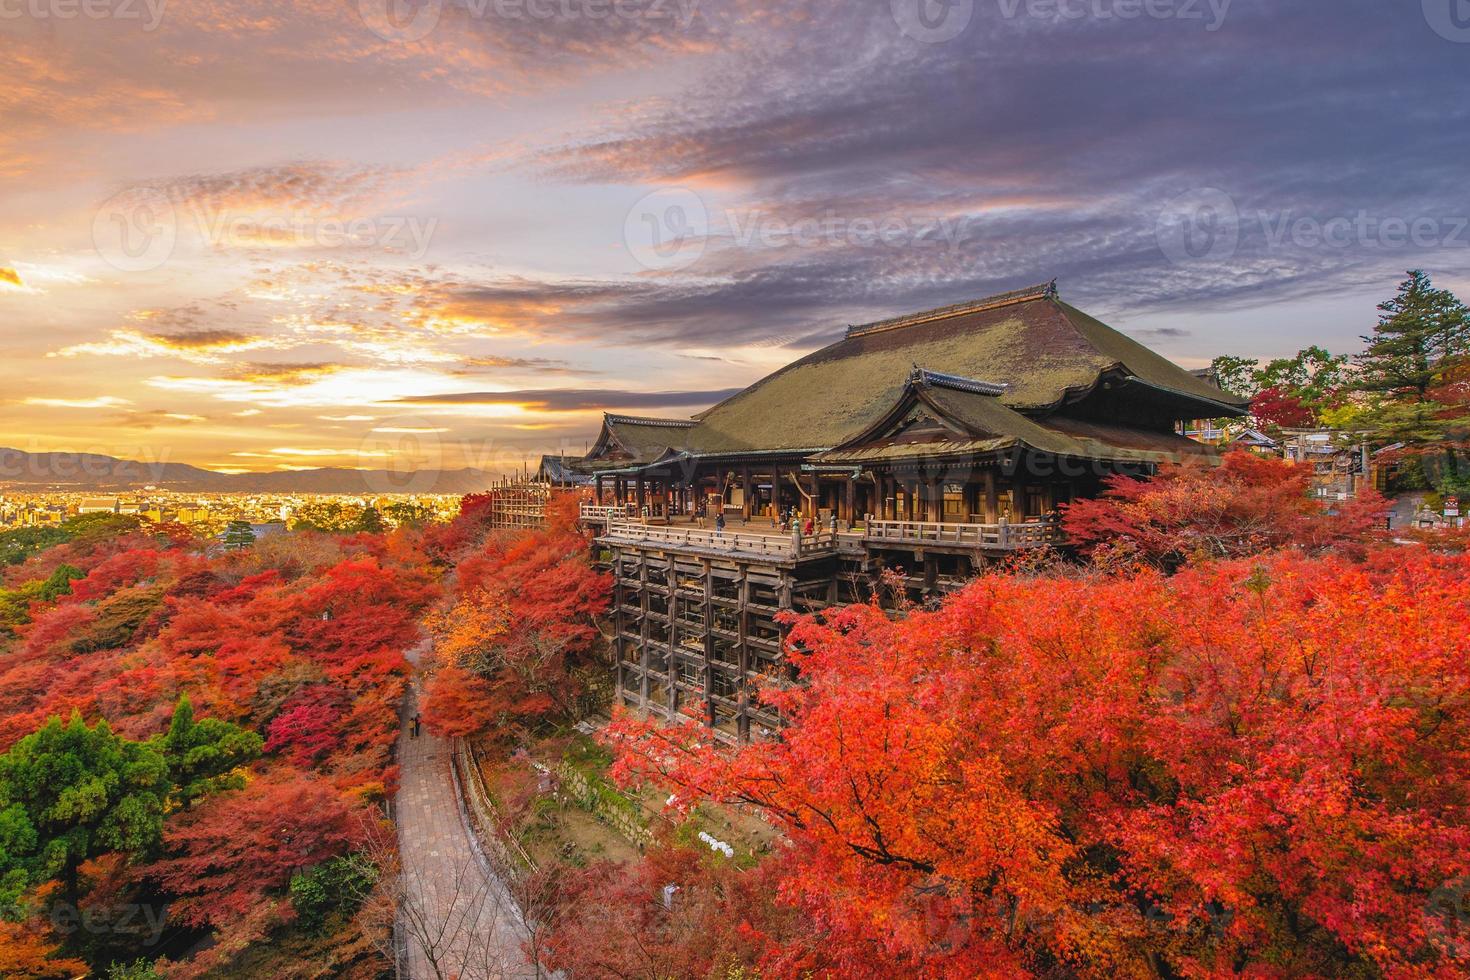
x: 1039, y: 350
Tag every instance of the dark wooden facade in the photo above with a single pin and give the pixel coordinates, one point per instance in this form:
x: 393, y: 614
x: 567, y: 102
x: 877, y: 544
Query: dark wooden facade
x: 931, y: 443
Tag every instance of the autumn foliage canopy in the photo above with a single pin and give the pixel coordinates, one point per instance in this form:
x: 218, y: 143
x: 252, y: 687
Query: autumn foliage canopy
x: 1254, y: 765
x: 1201, y: 510
x: 516, y: 644
x: 232, y: 716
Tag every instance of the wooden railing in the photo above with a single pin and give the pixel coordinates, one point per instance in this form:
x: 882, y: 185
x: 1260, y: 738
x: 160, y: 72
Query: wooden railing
x: 598, y: 514
x: 1000, y: 536
x: 503, y: 852
x: 781, y: 546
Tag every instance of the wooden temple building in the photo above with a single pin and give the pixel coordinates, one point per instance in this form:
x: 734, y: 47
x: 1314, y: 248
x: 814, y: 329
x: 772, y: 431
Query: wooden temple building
x: 927, y: 445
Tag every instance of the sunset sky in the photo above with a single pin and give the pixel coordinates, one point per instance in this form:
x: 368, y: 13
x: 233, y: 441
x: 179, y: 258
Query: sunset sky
x: 339, y: 232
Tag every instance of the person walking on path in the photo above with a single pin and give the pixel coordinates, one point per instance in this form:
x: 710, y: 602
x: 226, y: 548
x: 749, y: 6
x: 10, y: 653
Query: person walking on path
x: 414, y: 731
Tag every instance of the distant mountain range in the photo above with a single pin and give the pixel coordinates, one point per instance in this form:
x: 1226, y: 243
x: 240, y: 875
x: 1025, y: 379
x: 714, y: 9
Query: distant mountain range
x: 89, y: 471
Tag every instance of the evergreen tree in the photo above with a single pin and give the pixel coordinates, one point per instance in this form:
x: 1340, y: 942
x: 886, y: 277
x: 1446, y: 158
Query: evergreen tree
x: 69, y: 793
x: 204, y: 757
x: 1236, y: 375
x: 370, y: 521
x: 1422, y: 332
x: 1313, y: 376
x: 239, y: 534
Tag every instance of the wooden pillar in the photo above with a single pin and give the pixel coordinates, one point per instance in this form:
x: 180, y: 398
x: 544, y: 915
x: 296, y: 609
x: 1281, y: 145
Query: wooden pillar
x: 672, y: 658
x: 643, y: 639
x: 619, y: 643
x: 742, y: 629
x: 992, y: 498
x: 642, y: 494
x: 849, y: 501
x: 707, y: 674
x: 747, y: 493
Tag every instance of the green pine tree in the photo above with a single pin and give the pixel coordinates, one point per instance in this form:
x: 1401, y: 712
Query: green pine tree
x: 1422, y: 332
x: 204, y: 757
x: 69, y: 793
x: 239, y: 534
x: 1236, y: 375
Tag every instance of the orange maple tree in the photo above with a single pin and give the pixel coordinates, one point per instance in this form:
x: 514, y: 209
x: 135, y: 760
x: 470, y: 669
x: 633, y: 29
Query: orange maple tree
x: 1257, y: 766
x: 518, y: 643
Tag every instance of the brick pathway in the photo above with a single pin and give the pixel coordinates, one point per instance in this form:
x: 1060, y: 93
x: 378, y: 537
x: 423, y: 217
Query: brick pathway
x: 458, y: 919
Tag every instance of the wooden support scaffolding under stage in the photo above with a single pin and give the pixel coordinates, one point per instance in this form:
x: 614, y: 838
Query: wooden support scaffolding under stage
x: 518, y: 505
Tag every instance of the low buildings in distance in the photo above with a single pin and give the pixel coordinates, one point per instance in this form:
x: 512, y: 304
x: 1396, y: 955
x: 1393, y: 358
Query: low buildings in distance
x: 210, y: 512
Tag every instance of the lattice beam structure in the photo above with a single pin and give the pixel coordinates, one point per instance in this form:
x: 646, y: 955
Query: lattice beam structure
x: 519, y: 505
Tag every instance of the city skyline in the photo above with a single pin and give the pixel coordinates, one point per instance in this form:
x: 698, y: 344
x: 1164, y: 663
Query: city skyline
x: 451, y: 234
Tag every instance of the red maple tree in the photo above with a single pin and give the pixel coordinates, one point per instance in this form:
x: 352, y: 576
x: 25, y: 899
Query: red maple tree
x: 1253, y: 766
x: 1199, y: 510
x: 238, y: 849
